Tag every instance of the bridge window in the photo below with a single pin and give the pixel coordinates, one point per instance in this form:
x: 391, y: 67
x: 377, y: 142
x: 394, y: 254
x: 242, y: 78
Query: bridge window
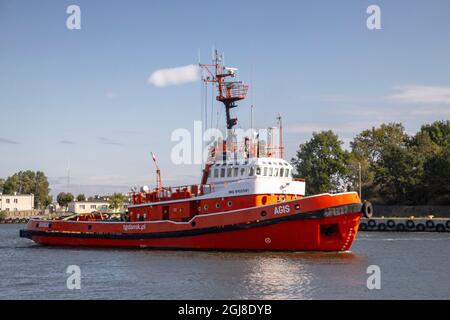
x: 222, y: 172
x: 258, y: 171
x: 236, y: 172
x: 242, y: 171
x: 229, y: 172
x: 252, y: 171
x: 281, y: 172
x: 216, y: 173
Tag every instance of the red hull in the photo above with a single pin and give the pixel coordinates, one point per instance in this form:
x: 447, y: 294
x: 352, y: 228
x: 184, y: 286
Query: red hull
x: 323, y: 229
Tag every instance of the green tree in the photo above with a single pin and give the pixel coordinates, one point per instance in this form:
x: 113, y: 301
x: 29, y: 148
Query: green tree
x: 116, y: 201
x: 81, y: 197
x: 63, y: 198
x: 322, y: 162
x: 371, y: 143
x: 2, y: 182
x: 438, y: 132
x: 436, y: 178
x: 368, y: 148
x: 398, y: 173
x: 26, y: 182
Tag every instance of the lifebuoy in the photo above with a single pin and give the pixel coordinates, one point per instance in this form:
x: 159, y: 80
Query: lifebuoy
x: 367, y: 209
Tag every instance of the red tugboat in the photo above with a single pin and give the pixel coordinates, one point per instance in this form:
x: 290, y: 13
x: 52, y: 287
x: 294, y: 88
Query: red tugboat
x: 247, y: 200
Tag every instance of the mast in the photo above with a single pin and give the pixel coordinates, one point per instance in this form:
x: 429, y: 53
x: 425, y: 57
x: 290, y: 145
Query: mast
x: 229, y: 91
x: 280, y: 127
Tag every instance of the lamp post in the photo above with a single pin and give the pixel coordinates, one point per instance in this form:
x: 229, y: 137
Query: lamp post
x: 359, y: 179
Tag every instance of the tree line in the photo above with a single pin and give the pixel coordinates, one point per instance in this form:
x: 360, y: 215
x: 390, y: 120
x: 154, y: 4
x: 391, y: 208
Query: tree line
x: 395, y: 168
x: 27, y: 182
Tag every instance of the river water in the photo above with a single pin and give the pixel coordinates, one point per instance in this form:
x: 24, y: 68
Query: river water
x: 412, y: 266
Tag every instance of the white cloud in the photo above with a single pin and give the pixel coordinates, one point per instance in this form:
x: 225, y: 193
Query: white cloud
x: 422, y: 94
x: 174, y: 76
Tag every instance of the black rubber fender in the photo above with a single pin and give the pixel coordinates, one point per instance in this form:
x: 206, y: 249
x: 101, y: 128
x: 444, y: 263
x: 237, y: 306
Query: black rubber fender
x: 390, y: 223
x: 447, y: 224
x: 410, y: 224
x: 400, y: 227
x: 367, y: 209
x: 429, y: 224
x: 382, y: 226
x: 363, y: 226
x: 372, y: 223
x: 420, y: 227
x: 440, y: 227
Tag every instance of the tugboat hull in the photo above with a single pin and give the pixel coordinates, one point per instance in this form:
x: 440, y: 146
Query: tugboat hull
x: 320, y: 223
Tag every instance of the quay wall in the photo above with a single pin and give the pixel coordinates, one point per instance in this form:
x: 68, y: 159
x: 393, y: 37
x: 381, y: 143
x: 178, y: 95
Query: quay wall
x: 408, y: 211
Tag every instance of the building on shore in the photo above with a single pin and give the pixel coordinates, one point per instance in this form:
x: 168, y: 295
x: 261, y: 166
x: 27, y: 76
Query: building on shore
x: 88, y: 206
x: 16, y: 202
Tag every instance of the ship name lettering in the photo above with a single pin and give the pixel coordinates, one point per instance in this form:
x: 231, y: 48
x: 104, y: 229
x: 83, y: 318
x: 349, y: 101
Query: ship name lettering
x: 282, y: 209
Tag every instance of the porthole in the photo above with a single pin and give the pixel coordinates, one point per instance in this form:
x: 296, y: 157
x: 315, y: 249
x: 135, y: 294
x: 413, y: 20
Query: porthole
x: 263, y: 213
x: 217, y: 205
x: 205, y: 207
x: 193, y: 223
x: 229, y: 203
x: 297, y: 207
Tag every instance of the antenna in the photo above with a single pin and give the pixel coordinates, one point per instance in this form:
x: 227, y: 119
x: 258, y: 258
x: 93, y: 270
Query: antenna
x: 68, y: 174
x: 280, y: 126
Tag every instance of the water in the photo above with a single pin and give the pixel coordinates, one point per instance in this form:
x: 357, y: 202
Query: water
x: 413, y: 266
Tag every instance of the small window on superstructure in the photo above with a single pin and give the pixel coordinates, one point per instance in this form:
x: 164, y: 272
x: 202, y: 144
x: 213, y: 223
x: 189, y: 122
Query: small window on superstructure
x: 242, y: 171
x: 281, y: 172
x: 258, y: 171
x: 287, y: 173
x: 275, y: 172
x: 222, y: 172
x: 252, y: 171
x: 236, y: 172
x: 216, y: 173
x: 270, y: 171
x: 265, y: 171
x: 229, y: 171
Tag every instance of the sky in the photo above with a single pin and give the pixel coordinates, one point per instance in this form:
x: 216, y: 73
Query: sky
x: 85, y: 99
